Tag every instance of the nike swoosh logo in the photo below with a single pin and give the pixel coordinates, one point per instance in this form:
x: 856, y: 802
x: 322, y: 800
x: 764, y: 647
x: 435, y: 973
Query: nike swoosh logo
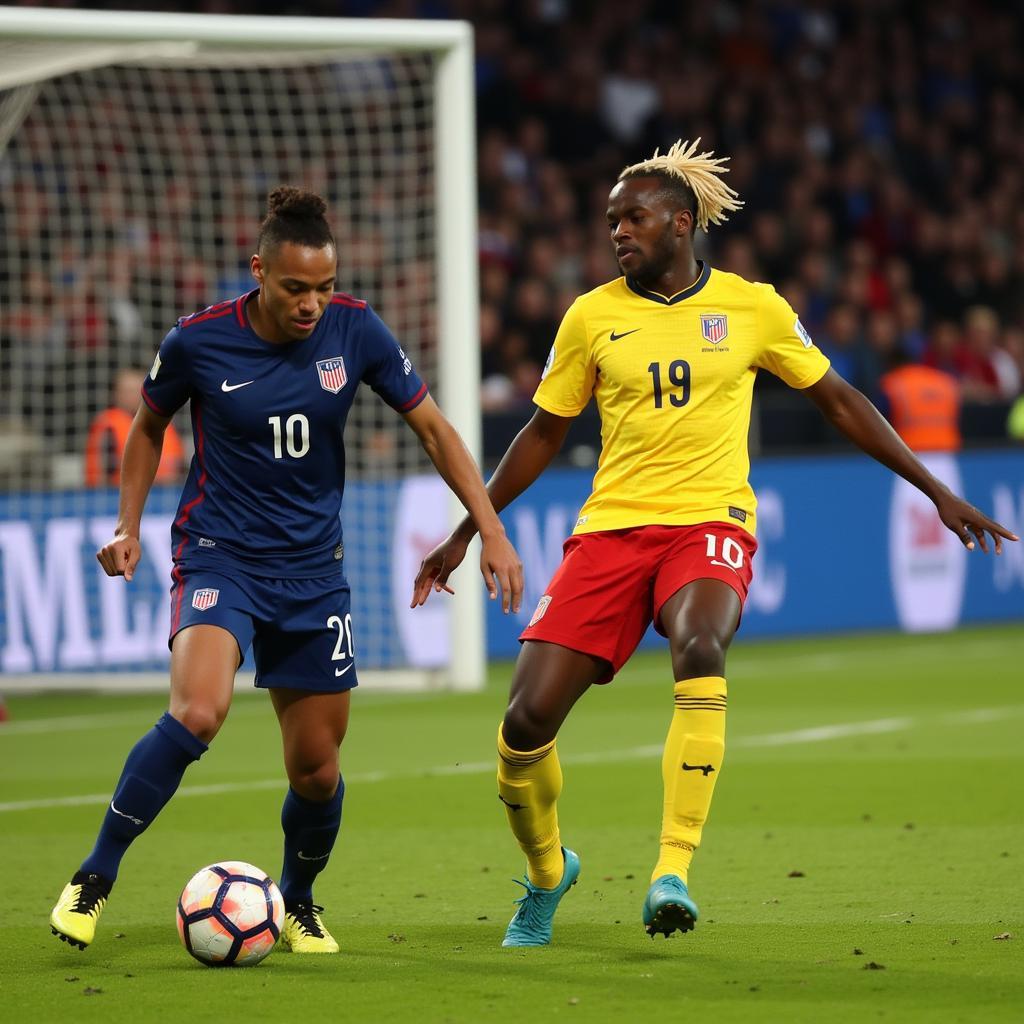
x: 615, y: 337
x: 137, y: 821
x: 302, y: 856
x: 707, y: 769
x: 225, y: 386
x: 342, y: 671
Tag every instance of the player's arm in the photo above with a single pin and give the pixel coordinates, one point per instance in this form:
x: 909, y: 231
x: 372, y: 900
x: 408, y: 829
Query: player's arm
x: 527, y: 457
x: 498, y: 558
x: 854, y: 415
x: 565, y: 389
x: 138, y: 469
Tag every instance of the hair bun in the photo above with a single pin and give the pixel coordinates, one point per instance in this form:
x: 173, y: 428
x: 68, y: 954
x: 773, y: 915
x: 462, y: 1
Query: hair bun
x: 289, y: 201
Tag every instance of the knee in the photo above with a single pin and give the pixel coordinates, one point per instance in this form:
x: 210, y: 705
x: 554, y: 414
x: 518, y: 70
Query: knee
x: 316, y: 782
x: 699, y: 654
x: 528, y: 723
x: 202, y: 718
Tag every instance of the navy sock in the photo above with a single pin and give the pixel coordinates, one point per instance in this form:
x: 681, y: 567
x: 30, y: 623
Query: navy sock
x: 310, y: 829
x: 150, y: 776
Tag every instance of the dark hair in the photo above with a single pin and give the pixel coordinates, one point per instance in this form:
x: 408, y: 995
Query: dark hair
x: 671, y: 188
x: 294, y: 215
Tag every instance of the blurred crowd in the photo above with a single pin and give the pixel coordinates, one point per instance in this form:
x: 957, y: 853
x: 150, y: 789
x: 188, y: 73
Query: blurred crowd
x: 877, y: 146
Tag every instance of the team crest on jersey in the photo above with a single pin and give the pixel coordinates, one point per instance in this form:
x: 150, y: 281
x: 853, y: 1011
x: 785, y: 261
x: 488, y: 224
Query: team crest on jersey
x: 714, y: 327
x: 332, y: 374
x: 204, y: 598
x: 542, y: 607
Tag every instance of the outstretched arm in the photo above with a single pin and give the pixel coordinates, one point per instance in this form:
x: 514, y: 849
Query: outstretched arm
x: 138, y: 468
x: 498, y: 559
x: 527, y: 457
x: 850, y: 412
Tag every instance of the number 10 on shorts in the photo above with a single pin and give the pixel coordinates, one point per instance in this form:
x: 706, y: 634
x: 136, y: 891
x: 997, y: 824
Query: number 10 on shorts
x: 731, y: 552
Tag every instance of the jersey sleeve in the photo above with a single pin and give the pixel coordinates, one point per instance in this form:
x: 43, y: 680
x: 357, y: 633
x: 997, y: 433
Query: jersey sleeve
x: 388, y: 370
x: 569, y: 373
x: 166, y: 389
x: 786, y: 349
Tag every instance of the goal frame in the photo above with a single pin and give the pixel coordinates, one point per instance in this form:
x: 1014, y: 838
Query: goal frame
x: 125, y: 36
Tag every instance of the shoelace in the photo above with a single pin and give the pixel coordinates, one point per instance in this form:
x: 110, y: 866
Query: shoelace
x: 305, y: 917
x: 90, y: 897
x: 528, y: 903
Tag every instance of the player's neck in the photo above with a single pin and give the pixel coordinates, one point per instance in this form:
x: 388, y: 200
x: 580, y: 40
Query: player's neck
x: 261, y: 323
x: 680, y: 276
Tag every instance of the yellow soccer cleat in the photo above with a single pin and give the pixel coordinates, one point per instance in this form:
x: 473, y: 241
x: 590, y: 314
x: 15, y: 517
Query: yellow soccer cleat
x: 73, y: 919
x: 304, y: 930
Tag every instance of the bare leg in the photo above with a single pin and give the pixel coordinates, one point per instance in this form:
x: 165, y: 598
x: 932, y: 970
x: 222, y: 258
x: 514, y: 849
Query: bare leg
x: 547, y: 682
x: 204, y: 660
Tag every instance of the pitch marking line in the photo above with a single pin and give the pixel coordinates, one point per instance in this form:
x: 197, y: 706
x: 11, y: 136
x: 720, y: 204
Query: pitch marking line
x: 743, y: 664
x: 817, y: 734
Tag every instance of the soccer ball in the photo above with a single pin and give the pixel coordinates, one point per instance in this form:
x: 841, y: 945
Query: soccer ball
x: 230, y: 914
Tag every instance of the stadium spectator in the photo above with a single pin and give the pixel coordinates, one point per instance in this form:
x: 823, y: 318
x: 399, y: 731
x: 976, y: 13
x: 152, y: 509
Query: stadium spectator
x: 990, y: 371
x: 108, y: 433
x: 883, y: 157
x: 922, y: 404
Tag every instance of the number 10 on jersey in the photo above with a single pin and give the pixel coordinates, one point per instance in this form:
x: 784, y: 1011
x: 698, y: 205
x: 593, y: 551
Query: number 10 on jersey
x: 295, y: 436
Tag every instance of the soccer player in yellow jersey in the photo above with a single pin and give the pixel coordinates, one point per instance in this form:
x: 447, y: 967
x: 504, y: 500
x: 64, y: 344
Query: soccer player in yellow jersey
x: 670, y: 351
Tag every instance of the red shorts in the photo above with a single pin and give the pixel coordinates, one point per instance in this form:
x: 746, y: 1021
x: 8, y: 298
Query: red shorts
x: 612, y: 584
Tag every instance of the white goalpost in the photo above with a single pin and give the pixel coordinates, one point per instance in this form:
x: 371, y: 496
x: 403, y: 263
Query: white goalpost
x: 136, y: 152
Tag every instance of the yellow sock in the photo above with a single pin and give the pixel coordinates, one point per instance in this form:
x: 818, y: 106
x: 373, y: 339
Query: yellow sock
x: 529, y: 782
x: 689, y: 768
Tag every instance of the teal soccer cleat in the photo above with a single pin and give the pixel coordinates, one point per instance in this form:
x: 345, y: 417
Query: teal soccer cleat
x: 531, y: 925
x: 668, y: 907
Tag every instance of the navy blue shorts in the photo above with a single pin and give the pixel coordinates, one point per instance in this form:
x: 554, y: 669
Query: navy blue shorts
x: 300, y: 629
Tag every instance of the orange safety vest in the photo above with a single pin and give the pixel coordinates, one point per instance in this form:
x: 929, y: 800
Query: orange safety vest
x: 114, y: 423
x: 924, y: 407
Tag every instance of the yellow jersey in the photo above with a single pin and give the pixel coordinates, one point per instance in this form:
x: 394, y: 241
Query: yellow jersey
x: 673, y: 379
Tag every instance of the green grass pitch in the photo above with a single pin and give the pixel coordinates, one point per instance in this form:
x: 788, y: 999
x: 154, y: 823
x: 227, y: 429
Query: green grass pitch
x: 864, y: 858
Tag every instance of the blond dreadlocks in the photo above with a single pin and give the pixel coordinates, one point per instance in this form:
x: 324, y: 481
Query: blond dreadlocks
x: 700, y: 173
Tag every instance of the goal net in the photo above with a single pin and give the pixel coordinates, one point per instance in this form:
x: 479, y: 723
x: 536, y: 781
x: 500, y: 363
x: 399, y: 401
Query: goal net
x: 136, y: 153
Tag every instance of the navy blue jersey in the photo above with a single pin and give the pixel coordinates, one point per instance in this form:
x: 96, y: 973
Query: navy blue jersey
x: 265, y: 485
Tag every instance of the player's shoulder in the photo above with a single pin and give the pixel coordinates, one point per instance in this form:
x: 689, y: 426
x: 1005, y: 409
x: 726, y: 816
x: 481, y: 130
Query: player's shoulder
x: 344, y: 312
x: 614, y: 289
x: 346, y: 301
x: 740, y: 289
x: 228, y: 313
x: 599, y: 298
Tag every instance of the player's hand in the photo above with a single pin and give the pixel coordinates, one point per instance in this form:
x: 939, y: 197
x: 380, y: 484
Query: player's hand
x: 120, y: 556
x: 437, y: 567
x: 502, y: 569
x: 968, y: 523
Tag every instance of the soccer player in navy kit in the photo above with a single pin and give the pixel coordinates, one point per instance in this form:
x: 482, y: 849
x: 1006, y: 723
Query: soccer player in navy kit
x: 257, y: 542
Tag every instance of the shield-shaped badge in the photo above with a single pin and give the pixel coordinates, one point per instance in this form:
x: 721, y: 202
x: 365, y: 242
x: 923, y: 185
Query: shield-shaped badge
x: 714, y: 327
x: 332, y: 374
x: 204, y: 598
